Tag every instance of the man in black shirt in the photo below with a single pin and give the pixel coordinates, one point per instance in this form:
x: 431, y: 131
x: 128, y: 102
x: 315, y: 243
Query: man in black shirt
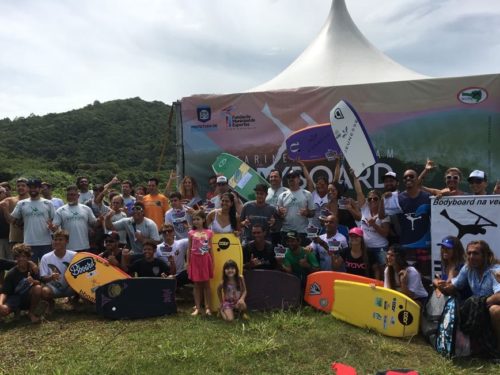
x: 259, y: 253
x: 21, y: 289
x: 148, y: 266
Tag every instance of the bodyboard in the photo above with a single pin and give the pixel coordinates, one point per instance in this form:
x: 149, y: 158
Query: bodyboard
x: 319, y: 287
x: 271, y: 290
x: 352, y: 137
x: 312, y: 143
x: 140, y: 297
x: 240, y: 176
x: 225, y: 246
x: 384, y: 310
x: 87, y: 272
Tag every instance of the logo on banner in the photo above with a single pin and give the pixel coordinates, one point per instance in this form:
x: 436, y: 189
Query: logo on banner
x: 472, y: 95
x: 237, y: 121
x: 204, y: 113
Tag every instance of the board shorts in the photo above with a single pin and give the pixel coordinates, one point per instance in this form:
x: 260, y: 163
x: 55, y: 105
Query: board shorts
x: 58, y: 291
x: 19, y: 301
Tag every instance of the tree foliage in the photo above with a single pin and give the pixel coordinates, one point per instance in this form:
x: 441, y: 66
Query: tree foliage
x: 101, y: 140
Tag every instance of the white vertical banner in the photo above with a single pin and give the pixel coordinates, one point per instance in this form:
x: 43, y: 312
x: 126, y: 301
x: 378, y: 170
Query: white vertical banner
x: 468, y: 217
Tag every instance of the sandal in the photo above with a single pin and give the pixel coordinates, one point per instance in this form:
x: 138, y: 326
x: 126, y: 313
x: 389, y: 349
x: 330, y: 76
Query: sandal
x: 208, y: 312
x: 195, y: 312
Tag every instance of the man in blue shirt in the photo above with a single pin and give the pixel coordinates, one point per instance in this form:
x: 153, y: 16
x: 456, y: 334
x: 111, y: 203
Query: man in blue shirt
x: 480, y: 273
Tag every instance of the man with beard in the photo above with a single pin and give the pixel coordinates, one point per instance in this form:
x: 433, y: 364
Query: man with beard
x: 8, y: 204
x: 257, y: 211
x: 77, y: 219
x: 36, y: 213
x: 83, y: 186
x: 414, y: 221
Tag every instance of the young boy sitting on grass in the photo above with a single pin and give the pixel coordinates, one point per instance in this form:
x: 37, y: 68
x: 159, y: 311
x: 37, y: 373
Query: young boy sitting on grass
x: 21, y: 289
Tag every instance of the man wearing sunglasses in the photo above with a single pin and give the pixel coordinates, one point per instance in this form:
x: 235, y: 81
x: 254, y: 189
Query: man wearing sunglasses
x: 414, y: 222
x: 173, y: 252
x: 138, y: 228
x: 478, y: 182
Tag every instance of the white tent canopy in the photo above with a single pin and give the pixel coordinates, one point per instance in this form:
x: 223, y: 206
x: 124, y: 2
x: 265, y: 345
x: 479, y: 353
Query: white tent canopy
x: 340, y: 55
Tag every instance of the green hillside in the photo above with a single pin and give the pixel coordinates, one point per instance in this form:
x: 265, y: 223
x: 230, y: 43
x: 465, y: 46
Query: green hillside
x: 123, y: 137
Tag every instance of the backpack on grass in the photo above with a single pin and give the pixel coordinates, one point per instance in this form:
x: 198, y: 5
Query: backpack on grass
x: 450, y: 340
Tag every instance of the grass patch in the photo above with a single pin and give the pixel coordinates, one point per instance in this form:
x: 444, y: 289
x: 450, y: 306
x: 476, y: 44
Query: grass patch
x: 284, y: 342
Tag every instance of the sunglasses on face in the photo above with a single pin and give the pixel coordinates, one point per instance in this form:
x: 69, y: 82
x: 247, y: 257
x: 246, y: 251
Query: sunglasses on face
x: 373, y: 199
x: 453, y: 177
x: 409, y: 177
x: 137, y: 209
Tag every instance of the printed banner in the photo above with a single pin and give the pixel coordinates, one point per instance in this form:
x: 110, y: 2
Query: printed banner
x: 468, y: 217
x: 454, y: 121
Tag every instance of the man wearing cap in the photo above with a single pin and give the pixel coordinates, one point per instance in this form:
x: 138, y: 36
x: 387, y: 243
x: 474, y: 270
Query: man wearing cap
x: 295, y: 206
x: 36, y: 213
x: 47, y: 194
x: 112, y: 251
x: 328, y: 243
x: 8, y: 204
x: 257, y: 211
x: 139, y: 228
x: 77, y: 219
x: 298, y: 261
x: 223, y: 187
x: 155, y: 204
x: 478, y: 182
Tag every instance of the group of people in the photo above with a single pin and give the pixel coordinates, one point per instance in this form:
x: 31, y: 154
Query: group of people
x: 294, y: 229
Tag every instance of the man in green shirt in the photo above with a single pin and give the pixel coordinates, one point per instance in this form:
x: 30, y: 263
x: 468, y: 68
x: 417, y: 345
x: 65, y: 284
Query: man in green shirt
x: 297, y: 260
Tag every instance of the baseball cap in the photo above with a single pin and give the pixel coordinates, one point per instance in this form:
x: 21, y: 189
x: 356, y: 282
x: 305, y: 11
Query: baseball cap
x: 222, y: 180
x: 292, y: 173
x: 477, y: 174
x: 390, y: 174
x: 356, y: 231
x: 446, y: 242
x: 34, y: 182
x: 112, y: 235
x: 292, y: 234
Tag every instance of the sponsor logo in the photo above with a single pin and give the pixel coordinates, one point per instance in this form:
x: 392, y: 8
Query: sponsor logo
x: 235, y: 120
x: 379, y: 301
x: 82, y: 266
x: 323, y: 302
x: 338, y: 114
x: 377, y: 316
x: 393, y: 305
x: 224, y: 243
x: 405, y: 317
x: 114, y: 290
x: 204, y: 113
x: 472, y: 95
x: 315, y: 290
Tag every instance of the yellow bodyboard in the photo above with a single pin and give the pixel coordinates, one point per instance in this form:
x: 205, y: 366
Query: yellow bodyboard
x: 225, y: 246
x: 384, y: 310
x: 87, y: 272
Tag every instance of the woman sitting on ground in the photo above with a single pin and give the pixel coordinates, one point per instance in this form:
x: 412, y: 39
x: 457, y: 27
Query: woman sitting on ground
x: 354, y: 259
x: 400, y: 276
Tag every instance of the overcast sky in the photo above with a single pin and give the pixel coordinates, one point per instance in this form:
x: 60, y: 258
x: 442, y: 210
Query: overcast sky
x: 58, y: 55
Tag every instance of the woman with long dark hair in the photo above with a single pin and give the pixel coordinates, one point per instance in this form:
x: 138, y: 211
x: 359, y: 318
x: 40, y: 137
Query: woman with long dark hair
x: 223, y: 220
x: 400, y: 276
x: 354, y: 259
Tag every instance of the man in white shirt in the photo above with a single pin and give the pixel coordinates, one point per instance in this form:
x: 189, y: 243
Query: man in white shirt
x: 36, y: 213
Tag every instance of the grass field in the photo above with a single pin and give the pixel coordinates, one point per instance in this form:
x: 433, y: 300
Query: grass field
x: 284, y: 342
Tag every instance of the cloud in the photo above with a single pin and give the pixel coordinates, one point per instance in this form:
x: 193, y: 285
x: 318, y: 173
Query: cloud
x: 58, y: 55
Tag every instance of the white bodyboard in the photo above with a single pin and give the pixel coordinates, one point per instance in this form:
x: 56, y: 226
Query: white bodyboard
x: 352, y: 138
